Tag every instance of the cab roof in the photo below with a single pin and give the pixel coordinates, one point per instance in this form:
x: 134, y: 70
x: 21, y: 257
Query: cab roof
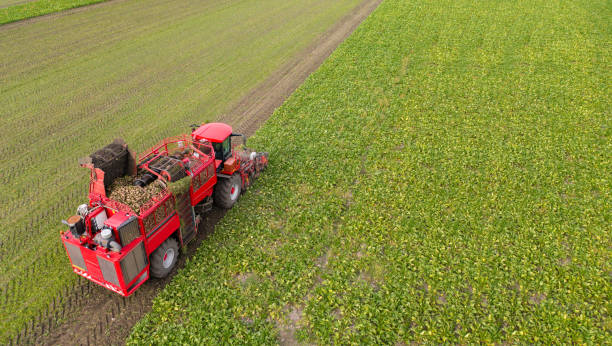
x: 214, y: 132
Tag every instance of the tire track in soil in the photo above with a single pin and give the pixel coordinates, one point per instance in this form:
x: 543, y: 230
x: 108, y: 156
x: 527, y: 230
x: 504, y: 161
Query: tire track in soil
x: 99, y: 316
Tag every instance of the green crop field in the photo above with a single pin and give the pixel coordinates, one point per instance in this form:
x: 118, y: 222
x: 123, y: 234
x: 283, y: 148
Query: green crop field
x: 443, y: 177
x: 142, y: 70
x: 8, y: 3
x: 14, y: 10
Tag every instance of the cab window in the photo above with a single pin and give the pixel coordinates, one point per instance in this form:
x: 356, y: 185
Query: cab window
x: 223, y: 149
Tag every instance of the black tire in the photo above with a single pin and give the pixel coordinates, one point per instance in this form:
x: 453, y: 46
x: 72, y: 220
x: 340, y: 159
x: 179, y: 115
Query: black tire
x: 164, y: 258
x: 227, y: 191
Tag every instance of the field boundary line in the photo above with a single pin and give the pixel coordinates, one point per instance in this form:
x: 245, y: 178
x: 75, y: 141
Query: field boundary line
x: 60, y: 13
x: 248, y: 114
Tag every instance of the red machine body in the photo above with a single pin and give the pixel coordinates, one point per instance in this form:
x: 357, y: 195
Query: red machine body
x: 213, y: 132
x: 120, y: 248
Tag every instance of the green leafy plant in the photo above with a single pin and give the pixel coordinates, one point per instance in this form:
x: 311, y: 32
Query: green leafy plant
x: 35, y: 8
x: 442, y: 178
x: 180, y: 186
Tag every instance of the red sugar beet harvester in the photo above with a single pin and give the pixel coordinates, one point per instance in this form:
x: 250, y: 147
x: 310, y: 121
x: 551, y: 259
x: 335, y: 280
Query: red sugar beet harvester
x: 117, y: 247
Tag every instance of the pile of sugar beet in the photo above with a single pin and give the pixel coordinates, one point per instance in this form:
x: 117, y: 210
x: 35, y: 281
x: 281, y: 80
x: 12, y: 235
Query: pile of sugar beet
x: 124, y: 191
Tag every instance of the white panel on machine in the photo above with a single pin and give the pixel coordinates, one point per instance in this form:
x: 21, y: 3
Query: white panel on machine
x: 99, y: 220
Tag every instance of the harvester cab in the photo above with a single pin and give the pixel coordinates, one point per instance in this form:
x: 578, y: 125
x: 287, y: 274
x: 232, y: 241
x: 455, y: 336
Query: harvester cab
x: 236, y: 166
x: 220, y: 136
x: 223, y: 150
x: 143, y: 208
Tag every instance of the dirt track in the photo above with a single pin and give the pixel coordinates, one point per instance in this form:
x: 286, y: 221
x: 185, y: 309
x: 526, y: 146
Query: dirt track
x: 97, y: 316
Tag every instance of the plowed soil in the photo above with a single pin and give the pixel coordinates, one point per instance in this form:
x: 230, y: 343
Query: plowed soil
x: 103, y: 317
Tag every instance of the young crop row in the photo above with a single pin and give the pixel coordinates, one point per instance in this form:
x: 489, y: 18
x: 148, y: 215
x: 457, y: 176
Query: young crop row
x: 442, y: 178
x: 59, y: 310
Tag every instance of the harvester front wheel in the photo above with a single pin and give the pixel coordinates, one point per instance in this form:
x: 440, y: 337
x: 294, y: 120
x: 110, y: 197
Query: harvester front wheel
x: 227, y: 191
x: 164, y: 258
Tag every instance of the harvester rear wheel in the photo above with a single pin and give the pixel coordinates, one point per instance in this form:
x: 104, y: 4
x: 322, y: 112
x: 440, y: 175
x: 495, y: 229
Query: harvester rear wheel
x: 227, y: 191
x: 164, y: 258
